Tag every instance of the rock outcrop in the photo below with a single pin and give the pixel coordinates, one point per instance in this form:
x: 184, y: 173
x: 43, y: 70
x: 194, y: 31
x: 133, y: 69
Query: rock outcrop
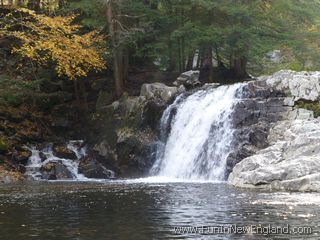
x: 159, y: 91
x: 91, y: 168
x: 298, y: 85
x: 64, y: 152
x: 289, y: 157
x: 124, y: 133
x: 188, y: 79
x: 55, y: 171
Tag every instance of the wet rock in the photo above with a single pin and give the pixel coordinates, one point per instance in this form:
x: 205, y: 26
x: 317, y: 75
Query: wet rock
x: 64, y: 152
x: 135, y: 152
x: 91, y: 168
x: 152, y: 113
x: 55, y: 171
x: 21, y: 168
x: 42, y: 156
x: 21, y: 157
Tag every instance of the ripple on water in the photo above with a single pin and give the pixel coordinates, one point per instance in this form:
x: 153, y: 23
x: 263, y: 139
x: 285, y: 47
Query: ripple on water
x: 144, y: 209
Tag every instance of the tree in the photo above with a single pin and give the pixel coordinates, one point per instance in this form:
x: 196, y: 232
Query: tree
x: 172, y: 34
x: 54, y: 41
x: 116, y: 51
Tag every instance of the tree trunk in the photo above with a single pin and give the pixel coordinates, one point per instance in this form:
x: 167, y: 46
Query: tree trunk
x: 239, y: 65
x: 125, y: 69
x: 116, y: 55
x: 183, y: 56
x: 76, y: 92
x: 210, y: 63
x: 179, y: 55
x: 171, y: 66
x: 34, y: 5
x: 189, y: 65
x: 83, y: 94
x: 199, y: 58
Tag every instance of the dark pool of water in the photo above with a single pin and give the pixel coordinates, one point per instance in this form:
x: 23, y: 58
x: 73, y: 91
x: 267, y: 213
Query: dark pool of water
x: 137, y: 210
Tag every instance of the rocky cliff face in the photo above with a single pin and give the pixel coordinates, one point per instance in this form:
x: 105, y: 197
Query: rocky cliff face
x: 287, y: 135
x: 124, y: 134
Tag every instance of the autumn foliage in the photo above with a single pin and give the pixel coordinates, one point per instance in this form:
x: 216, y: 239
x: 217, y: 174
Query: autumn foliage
x: 48, y: 41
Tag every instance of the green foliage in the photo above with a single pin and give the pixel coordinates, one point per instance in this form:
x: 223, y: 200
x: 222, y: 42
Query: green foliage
x: 168, y: 32
x: 312, y: 106
x: 15, y: 91
x: 56, y: 41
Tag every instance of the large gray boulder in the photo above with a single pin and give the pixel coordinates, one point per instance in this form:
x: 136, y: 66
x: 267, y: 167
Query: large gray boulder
x: 291, y: 162
x: 160, y: 91
x: 299, y: 85
x: 188, y: 79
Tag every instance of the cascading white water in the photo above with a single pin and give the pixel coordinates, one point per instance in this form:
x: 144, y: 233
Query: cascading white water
x: 200, y: 137
x: 35, y: 162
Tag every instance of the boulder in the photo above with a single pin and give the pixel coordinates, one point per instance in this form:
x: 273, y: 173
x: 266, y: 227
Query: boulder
x: 188, y: 79
x: 103, y: 149
x: 152, y: 113
x: 64, y: 152
x: 291, y: 162
x: 91, y: 168
x: 159, y: 91
x: 135, y: 152
x: 300, y: 85
x: 55, y: 171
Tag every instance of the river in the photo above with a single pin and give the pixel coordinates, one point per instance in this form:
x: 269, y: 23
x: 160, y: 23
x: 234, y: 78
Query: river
x: 150, y: 209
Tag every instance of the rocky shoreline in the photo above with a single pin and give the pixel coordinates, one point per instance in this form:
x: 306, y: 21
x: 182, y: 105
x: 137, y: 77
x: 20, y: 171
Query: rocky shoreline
x: 291, y: 159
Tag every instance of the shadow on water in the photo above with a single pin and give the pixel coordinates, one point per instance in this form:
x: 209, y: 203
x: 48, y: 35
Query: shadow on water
x: 137, y: 210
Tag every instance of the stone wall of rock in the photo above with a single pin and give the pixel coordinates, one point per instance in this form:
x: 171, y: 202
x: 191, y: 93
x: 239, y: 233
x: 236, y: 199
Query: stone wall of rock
x: 283, y: 153
x: 124, y: 133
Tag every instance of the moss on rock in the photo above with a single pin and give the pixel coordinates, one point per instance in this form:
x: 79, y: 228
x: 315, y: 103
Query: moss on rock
x: 312, y: 106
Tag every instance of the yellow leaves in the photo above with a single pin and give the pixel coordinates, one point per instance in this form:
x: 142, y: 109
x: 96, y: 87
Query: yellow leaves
x: 55, y: 40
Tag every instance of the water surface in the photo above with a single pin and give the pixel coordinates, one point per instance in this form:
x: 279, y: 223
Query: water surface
x: 147, y: 210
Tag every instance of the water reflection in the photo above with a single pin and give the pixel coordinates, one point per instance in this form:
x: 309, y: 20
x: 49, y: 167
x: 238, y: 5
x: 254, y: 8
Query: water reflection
x: 138, y: 210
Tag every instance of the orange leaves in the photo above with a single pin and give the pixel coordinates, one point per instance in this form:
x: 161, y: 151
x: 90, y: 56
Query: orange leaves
x: 56, y: 40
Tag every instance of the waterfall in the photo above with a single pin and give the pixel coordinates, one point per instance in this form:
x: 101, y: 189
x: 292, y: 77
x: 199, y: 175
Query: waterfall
x: 35, y: 163
x: 197, y: 135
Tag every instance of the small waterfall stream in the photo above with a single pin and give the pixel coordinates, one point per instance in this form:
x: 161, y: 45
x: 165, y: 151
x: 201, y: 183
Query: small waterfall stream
x: 197, y: 135
x: 35, y: 163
